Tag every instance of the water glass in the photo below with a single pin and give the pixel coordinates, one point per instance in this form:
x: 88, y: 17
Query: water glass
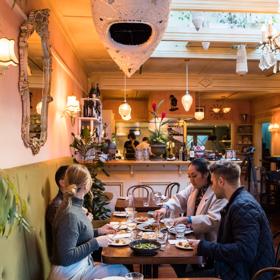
x: 169, y: 219
x: 129, y: 213
x: 158, y: 198
x: 146, y: 200
x: 134, y: 276
x: 162, y: 239
x: 180, y: 231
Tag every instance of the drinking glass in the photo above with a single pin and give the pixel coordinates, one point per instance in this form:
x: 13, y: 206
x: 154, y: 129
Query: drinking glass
x: 146, y: 200
x: 162, y: 239
x: 158, y: 198
x: 169, y: 219
x: 180, y: 231
x: 129, y: 213
x: 134, y: 276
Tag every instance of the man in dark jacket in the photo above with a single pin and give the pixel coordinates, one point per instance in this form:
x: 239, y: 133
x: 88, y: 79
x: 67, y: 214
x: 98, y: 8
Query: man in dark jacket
x: 244, y: 243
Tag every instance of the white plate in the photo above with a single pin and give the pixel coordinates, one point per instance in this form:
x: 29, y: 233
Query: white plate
x: 187, y: 231
x: 125, y: 242
x: 119, y: 214
x: 180, y: 245
x: 144, y: 225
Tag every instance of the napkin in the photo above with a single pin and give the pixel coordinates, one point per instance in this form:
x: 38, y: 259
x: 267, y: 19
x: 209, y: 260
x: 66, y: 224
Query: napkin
x: 174, y: 241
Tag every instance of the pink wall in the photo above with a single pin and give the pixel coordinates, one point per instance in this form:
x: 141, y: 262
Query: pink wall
x: 68, y: 78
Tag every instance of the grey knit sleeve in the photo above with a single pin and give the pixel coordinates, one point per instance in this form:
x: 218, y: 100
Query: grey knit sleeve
x: 66, y: 236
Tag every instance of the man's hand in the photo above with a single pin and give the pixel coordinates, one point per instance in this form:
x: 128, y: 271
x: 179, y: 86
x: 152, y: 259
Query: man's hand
x: 158, y: 214
x: 194, y: 243
x: 180, y: 220
x: 106, y: 229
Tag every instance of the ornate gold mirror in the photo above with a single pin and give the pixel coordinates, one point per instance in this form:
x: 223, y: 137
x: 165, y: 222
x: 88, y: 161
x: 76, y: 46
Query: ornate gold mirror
x: 35, y: 78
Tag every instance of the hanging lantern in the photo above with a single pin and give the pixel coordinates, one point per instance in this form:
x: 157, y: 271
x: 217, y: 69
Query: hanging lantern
x: 199, y: 113
x: 241, y: 60
x: 187, y: 99
x: 197, y: 20
x: 124, y: 109
x: 205, y: 45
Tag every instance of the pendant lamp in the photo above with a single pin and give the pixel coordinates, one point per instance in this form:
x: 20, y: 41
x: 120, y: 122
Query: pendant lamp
x: 124, y: 108
x: 7, y: 53
x: 187, y: 98
x: 199, y: 111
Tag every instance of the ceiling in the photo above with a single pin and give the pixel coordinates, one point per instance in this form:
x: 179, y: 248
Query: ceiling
x: 76, y: 20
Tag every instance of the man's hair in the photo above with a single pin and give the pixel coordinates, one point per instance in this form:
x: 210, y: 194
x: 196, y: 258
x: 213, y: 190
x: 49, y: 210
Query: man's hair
x: 202, y: 166
x: 60, y: 173
x: 145, y: 138
x: 227, y: 169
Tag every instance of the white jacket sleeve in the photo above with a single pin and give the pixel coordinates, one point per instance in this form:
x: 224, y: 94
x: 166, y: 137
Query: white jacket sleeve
x: 179, y: 201
x: 211, y: 219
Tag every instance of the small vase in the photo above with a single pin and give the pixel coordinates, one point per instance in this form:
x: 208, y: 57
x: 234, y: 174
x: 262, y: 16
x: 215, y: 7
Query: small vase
x: 158, y: 150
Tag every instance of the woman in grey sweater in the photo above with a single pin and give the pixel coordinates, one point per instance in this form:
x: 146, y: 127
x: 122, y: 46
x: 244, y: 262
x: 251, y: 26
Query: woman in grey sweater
x: 73, y: 236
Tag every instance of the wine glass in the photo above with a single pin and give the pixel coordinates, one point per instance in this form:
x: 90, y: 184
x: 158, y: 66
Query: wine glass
x: 169, y: 219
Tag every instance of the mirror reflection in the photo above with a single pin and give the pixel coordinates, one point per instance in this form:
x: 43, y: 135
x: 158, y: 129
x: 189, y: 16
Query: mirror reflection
x: 36, y: 83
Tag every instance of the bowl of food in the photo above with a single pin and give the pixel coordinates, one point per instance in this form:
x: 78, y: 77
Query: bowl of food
x: 144, y: 247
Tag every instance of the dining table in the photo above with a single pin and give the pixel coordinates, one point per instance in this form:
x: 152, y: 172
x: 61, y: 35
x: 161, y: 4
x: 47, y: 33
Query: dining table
x: 138, y: 204
x: 149, y: 264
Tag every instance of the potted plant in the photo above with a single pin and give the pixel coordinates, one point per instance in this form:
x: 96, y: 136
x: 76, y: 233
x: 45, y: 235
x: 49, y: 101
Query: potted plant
x: 158, y: 139
x: 12, y: 207
x: 95, y: 201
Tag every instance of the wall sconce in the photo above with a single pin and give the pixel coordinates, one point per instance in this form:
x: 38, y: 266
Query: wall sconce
x: 274, y: 127
x: 7, y: 53
x: 72, y: 108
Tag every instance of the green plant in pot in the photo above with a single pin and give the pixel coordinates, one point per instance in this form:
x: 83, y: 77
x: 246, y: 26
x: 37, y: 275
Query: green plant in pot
x: 95, y: 201
x: 12, y: 207
x: 158, y: 138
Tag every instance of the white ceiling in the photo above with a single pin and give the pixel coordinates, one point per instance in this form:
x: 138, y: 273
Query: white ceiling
x: 76, y: 20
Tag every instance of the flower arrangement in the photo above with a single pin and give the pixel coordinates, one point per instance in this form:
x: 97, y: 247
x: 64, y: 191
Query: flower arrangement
x: 157, y: 136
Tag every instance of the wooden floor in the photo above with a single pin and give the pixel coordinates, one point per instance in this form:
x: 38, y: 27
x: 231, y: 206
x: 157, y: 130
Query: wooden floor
x: 165, y: 271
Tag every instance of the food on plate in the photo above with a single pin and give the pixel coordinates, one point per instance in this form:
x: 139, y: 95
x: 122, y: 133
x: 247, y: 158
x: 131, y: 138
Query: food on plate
x: 184, y: 244
x: 151, y: 227
x: 145, y: 246
x: 149, y: 235
x: 141, y: 219
x: 120, y: 241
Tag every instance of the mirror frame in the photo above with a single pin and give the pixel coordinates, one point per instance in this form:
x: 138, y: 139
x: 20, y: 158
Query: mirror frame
x: 38, y: 20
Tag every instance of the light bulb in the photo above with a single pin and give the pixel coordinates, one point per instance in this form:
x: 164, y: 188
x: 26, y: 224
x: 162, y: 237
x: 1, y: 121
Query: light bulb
x: 124, y: 109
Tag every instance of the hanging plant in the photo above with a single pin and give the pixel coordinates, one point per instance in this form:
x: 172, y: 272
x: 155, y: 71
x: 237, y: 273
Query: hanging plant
x: 12, y: 207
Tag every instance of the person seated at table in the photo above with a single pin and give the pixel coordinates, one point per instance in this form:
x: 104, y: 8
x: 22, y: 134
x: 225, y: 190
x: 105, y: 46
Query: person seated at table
x: 200, y: 204
x: 54, y: 205
x: 245, y: 242
x: 73, y: 238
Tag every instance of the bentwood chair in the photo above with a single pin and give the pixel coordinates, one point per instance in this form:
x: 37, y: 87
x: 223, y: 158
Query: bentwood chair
x: 170, y: 187
x: 144, y: 188
x: 275, y: 271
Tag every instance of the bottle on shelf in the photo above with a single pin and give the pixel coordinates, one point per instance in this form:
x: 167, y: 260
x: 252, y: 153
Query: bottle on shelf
x: 91, y: 91
x: 185, y: 153
x: 181, y: 151
x: 192, y: 154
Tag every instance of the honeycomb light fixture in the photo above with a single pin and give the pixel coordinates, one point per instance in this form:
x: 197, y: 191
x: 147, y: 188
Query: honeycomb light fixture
x: 7, y: 53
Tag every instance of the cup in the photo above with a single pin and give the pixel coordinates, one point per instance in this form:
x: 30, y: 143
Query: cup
x: 162, y: 239
x: 129, y: 213
x: 180, y: 231
x: 134, y: 276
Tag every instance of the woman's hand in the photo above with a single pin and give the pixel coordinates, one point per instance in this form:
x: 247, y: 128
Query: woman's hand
x: 106, y: 229
x: 158, y: 214
x: 104, y: 240
x: 180, y: 220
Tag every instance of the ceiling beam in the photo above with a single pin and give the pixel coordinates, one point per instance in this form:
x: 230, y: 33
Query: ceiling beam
x: 167, y: 49
x: 236, y: 35
x: 198, y: 82
x: 253, y: 6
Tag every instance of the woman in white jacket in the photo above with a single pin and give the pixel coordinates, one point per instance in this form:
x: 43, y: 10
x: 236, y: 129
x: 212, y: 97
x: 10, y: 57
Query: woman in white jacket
x: 198, y: 201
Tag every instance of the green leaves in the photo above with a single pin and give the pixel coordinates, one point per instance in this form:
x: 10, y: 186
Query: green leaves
x: 12, y: 207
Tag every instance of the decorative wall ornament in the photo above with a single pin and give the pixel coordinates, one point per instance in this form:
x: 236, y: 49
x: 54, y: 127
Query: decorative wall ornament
x: 173, y: 103
x: 38, y: 21
x: 130, y: 30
